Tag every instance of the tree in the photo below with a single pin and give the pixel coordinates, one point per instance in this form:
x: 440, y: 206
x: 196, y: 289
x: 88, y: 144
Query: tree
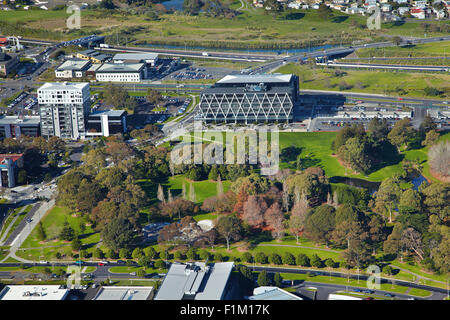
x: 67, y: 233
x: 41, y: 235
x: 191, y: 254
x: 412, y: 240
x: 288, y: 259
x: 320, y: 223
x: 435, y: 201
x: 138, y: 253
x: 387, y: 196
x: 178, y: 255
x: 76, y: 244
x: 348, y: 232
x: 427, y: 125
x: 324, y: 12
x: 274, y: 218
x: 260, y: 257
x: 183, y: 192
x: 98, y: 253
x: 388, y: 270
x: 254, y: 209
x: 140, y: 273
x: 160, y: 195
x: 274, y: 258
x: 247, y: 257
x: 213, y: 174
x: 378, y: 130
x: 150, y: 252
x: 431, y: 137
x: 303, y: 260
x: 330, y: 263
x: 397, y: 40
x: 316, y: 261
x: 204, y: 255
x: 230, y: 228
x: 355, y: 153
x: 277, y: 279
x: 178, y: 207
x: 439, y: 158
x: 401, y: 133
x: 159, y: 264
x: 263, y: 279
x: 124, y: 253
x: 164, y: 254
x: 192, y: 7
x: 118, y: 234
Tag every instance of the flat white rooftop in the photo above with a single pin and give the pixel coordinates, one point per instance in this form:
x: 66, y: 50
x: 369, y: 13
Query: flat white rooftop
x: 34, y: 292
x: 257, y: 78
x: 64, y: 86
x: 124, y: 293
x: 73, y: 65
x: 119, y: 67
x: 136, y: 56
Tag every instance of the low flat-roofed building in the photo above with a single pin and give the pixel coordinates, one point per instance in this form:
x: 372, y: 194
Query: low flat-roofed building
x: 106, y: 122
x: 196, y: 281
x: 93, y: 69
x: 15, y: 126
x: 272, y: 293
x: 135, y: 57
x: 73, y: 69
x: 118, y: 72
x: 8, y: 63
x: 34, y: 292
x: 125, y: 293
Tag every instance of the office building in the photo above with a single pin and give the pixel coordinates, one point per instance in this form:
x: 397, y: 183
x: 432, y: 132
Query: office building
x: 9, y: 166
x: 15, y: 126
x: 93, y: 56
x: 135, y: 57
x: 106, y: 122
x: 197, y: 281
x: 272, y: 293
x: 63, y: 108
x: 34, y: 292
x: 124, y: 293
x: 117, y: 72
x: 8, y: 63
x: 73, y: 69
x: 250, y: 99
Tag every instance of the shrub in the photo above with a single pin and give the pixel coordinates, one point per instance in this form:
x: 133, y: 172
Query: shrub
x: 303, y: 260
x: 247, y: 257
x: 275, y: 259
x: 260, y: 257
x: 288, y: 258
x: 316, y: 261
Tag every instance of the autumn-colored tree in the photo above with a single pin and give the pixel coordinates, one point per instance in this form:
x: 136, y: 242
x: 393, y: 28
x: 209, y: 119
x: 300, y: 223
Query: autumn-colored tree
x: 274, y: 219
x: 254, y: 209
x: 241, y: 199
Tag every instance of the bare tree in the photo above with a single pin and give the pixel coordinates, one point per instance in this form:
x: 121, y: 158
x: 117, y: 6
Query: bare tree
x: 183, y: 192
x: 412, y: 240
x: 254, y: 209
x: 439, y: 158
x: 161, y: 194
x: 274, y: 218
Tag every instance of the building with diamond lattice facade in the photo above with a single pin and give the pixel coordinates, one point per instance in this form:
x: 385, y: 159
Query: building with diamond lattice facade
x: 250, y: 98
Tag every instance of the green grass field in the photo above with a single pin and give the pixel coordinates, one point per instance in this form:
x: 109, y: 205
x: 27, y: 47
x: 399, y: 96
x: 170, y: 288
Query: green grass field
x: 380, y: 82
x: 250, y: 29
x: 316, y: 148
x: 433, y: 49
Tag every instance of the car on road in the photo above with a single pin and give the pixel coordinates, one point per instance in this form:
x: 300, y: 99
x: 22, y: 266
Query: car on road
x: 79, y: 262
x: 43, y: 262
x: 120, y: 262
x: 369, y: 291
x: 101, y: 264
x: 368, y: 298
x: 400, y: 99
x: 389, y: 295
x: 29, y: 220
x: 132, y: 273
x: 357, y: 290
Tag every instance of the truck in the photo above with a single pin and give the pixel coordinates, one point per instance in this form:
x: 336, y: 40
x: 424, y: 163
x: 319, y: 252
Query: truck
x: 206, y: 54
x: 104, y: 45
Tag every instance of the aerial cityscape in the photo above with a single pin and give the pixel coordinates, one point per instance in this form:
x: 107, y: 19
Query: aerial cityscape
x: 247, y: 151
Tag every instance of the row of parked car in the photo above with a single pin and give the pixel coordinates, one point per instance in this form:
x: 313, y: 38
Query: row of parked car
x: 19, y: 98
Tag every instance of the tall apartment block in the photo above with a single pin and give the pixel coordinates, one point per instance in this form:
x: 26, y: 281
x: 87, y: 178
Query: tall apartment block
x: 63, y: 109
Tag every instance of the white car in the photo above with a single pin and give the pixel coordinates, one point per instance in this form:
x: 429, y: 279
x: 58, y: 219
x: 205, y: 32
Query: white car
x: 43, y: 262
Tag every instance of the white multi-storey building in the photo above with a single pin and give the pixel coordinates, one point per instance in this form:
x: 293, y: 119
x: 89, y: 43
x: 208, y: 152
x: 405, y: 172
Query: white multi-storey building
x: 63, y: 108
x: 117, y: 72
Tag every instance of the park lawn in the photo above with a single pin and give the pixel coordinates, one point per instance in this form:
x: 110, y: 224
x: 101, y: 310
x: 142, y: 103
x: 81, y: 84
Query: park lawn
x: 407, y: 84
x: 316, y: 150
x: 53, y: 222
x: 291, y: 241
x: 432, y: 49
x: 206, y: 216
x: 203, y: 189
x: 417, y: 270
x: 419, y: 292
